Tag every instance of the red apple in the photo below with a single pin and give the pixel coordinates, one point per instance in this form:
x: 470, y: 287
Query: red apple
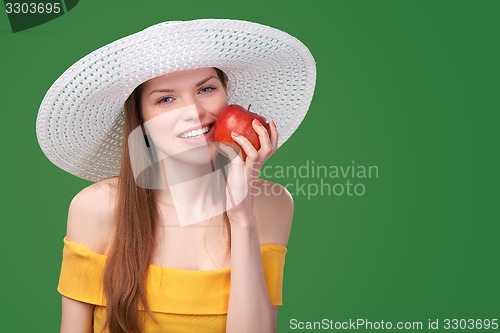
x: 238, y: 119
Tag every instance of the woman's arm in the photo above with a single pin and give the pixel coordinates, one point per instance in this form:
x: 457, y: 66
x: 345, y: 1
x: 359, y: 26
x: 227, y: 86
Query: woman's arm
x: 76, y: 316
x: 89, y: 216
x: 250, y: 309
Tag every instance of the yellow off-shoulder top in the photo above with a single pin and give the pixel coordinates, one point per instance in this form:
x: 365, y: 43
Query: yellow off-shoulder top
x: 181, y: 300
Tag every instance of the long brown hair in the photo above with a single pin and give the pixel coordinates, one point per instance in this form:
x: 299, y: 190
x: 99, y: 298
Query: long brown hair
x: 134, y: 237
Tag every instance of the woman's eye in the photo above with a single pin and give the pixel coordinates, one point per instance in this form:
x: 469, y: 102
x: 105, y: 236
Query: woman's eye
x: 165, y: 100
x: 207, y: 89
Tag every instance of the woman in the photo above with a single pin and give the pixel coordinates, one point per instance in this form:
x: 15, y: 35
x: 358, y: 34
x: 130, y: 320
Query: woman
x: 170, y: 238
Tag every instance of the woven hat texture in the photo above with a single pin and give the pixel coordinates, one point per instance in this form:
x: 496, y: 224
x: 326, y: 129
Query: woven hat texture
x: 80, y: 120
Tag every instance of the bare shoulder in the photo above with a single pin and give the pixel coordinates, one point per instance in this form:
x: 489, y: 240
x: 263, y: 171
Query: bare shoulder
x: 274, y: 212
x: 91, y: 213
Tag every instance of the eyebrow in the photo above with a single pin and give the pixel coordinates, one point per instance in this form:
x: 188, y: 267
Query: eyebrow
x: 172, y: 90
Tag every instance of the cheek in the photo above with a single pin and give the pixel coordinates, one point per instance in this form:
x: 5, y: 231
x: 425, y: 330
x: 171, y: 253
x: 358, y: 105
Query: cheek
x: 219, y: 104
x: 160, y: 127
x: 147, y: 113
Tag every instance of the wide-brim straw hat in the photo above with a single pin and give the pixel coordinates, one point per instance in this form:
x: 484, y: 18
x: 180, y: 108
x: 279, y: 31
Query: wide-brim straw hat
x: 80, y: 122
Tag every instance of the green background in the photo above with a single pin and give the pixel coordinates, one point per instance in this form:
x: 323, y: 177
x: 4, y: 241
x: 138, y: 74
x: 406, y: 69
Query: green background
x: 409, y: 86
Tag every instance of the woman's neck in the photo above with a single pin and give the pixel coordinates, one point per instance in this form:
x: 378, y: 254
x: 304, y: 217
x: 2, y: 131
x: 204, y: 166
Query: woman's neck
x: 194, y: 192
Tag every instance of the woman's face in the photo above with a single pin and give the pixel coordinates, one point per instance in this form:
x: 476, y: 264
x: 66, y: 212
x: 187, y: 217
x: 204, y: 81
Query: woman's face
x: 179, y: 110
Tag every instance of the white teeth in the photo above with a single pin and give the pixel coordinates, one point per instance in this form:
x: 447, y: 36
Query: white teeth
x: 195, y: 133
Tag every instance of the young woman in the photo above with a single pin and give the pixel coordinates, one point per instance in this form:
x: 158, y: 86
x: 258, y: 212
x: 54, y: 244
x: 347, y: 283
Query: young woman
x: 178, y: 233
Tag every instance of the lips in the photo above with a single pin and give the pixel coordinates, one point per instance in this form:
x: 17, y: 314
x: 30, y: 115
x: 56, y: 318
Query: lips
x: 196, y: 132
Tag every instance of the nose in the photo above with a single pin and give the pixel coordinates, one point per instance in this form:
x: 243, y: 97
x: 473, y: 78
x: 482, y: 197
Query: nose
x: 194, y: 110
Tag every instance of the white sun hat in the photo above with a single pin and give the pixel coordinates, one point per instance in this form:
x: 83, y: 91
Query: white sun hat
x: 80, y: 122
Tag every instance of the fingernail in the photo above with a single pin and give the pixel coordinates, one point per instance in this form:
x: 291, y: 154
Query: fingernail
x: 235, y: 134
x: 274, y: 124
x: 256, y: 122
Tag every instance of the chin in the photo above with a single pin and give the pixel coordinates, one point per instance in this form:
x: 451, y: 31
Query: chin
x: 203, y: 154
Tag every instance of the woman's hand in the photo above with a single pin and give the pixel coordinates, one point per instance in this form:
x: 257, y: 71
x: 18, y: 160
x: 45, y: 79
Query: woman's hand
x: 240, y: 185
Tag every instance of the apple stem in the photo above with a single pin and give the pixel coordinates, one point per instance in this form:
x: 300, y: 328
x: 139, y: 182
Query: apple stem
x: 249, y: 105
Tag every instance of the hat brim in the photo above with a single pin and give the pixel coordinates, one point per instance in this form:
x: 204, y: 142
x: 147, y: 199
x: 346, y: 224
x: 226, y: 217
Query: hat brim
x: 80, y: 124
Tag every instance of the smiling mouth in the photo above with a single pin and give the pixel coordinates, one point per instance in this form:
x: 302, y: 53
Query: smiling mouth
x: 196, y: 133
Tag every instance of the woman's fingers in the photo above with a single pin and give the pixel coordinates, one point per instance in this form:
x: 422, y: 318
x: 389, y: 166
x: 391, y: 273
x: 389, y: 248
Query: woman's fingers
x: 236, y: 178
x: 247, y: 146
x: 274, y: 135
x: 265, y: 143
